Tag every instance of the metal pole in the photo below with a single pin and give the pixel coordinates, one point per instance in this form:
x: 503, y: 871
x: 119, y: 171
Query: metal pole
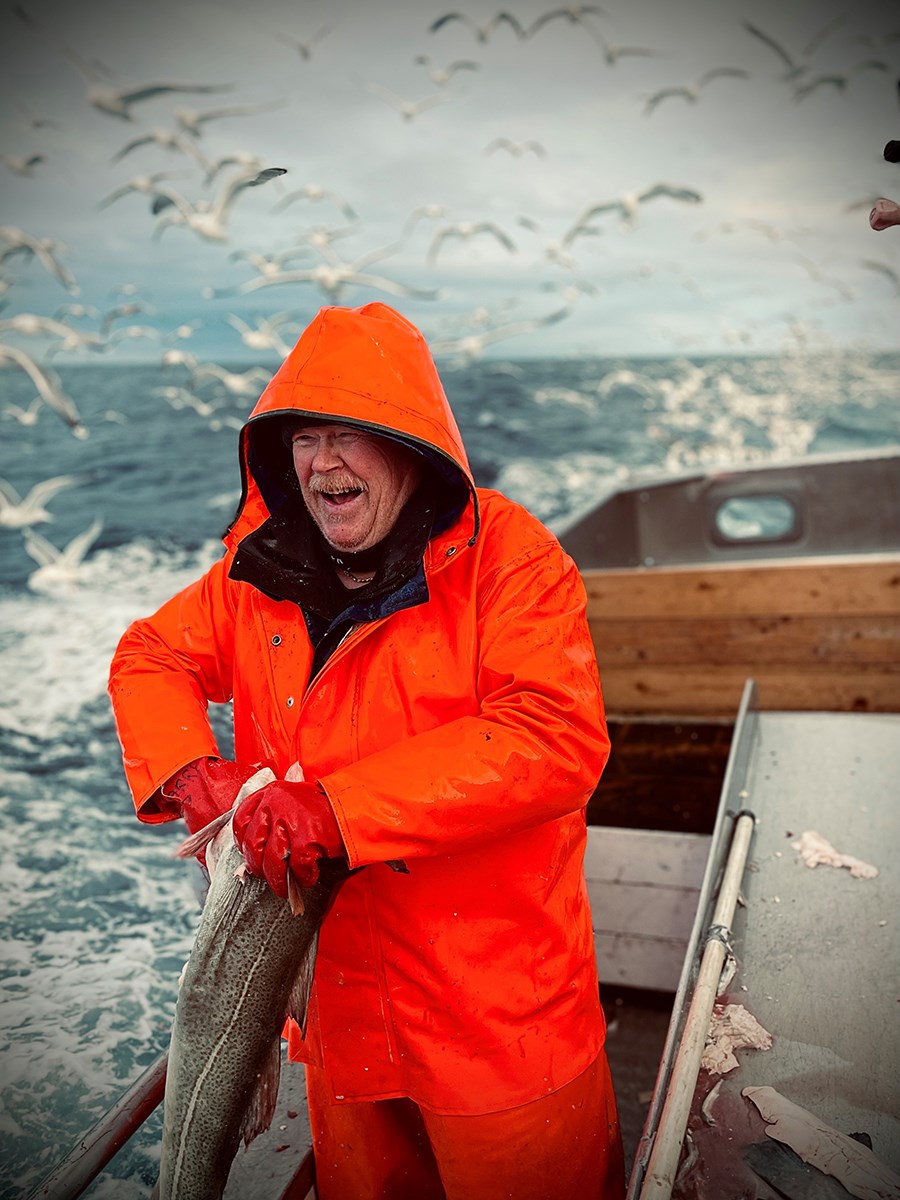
x: 86, y: 1160
x: 660, y: 1177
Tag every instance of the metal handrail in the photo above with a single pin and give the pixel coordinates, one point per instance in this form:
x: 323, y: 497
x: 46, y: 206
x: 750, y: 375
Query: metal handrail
x: 86, y: 1160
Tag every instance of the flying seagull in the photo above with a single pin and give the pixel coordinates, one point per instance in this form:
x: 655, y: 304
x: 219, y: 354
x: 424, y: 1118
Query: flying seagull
x: 468, y: 229
x: 44, y: 249
x: 304, y: 49
x: 18, y: 512
x: 192, y: 121
x: 482, y: 32
x: 59, y: 567
x: 628, y: 203
x: 691, y: 91
x: 117, y: 102
x: 574, y: 14
x: 442, y: 75
x: 209, y: 218
x: 408, y: 109
x: 49, y: 388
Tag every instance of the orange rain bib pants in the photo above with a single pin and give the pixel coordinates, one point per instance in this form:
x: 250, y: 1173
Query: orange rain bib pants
x: 565, y: 1144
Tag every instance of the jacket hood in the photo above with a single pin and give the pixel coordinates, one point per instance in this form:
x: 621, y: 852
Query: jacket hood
x: 366, y: 366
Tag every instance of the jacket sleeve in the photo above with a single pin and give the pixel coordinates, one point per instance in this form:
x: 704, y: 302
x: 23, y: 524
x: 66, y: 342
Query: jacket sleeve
x: 165, y: 671
x: 532, y: 752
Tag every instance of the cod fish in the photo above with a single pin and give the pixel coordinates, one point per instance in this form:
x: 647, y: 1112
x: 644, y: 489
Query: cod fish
x: 251, y: 965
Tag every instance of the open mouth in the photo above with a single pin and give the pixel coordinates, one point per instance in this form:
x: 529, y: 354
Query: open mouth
x: 339, y: 499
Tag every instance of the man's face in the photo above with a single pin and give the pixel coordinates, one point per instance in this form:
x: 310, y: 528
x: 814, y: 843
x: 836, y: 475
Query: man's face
x: 354, y: 483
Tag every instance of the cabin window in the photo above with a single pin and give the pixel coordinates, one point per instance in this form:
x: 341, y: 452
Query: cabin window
x: 759, y: 518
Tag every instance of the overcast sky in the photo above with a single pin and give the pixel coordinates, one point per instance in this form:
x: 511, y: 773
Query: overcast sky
x: 776, y: 253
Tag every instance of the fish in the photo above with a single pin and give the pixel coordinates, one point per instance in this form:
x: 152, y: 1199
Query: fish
x: 250, y: 966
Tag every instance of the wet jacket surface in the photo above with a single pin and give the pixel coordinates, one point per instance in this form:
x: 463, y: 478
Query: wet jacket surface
x: 461, y: 731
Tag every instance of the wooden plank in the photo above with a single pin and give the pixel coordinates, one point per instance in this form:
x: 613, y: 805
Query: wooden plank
x: 639, y: 962
x: 716, y: 691
x: 643, y: 857
x: 643, y: 888
x: 788, y: 587
x: 867, y: 640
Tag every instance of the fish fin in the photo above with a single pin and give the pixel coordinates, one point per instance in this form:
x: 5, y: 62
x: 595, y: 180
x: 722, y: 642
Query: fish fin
x: 198, y: 841
x: 295, y: 896
x: 261, y: 1109
x: 298, y: 1001
x: 154, y: 1195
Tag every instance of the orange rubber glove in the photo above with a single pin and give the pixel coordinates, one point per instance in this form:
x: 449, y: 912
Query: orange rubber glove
x: 287, y: 827
x: 205, y: 788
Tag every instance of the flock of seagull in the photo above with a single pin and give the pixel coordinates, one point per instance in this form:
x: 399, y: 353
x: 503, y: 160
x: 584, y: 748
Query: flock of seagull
x: 209, y: 219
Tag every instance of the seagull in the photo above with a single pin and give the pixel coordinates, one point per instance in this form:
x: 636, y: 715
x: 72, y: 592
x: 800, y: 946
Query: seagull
x: 628, y: 203
x: 166, y: 139
x: 147, y: 185
x: 472, y: 346
x: 209, y: 218
x: 442, y: 75
x: 77, y: 310
x: 304, y: 49
x: 883, y: 269
x: 22, y: 166
x: 192, y: 121
x: 236, y: 383
x: 184, y: 331
x: 817, y: 273
x: 836, y: 80
x: 44, y: 249
x: 178, y: 358
x: 482, y: 32
x: 468, y: 229
x: 430, y: 212
x: 117, y: 102
x: 180, y: 398
x: 793, y: 68
x: 17, y: 512
x: 691, y: 91
x: 270, y: 268
x: 315, y: 192
x: 556, y: 249
x: 334, y: 276
x: 408, y: 109
x: 25, y: 416
x: 516, y: 149
x: 247, y: 162
x: 265, y: 336
x: 59, y: 567
x: 132, y: 333
x: 49, y: 388
x: 131, y: 309
x: 32, y: 325
x: 574, y: 14
x: 612, y: 53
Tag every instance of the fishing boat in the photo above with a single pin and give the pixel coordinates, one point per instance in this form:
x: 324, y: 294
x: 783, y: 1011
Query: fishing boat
x: 747, y: 628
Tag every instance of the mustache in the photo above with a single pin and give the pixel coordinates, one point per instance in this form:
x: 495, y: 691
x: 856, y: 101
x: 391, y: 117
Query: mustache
x: 330, y: 485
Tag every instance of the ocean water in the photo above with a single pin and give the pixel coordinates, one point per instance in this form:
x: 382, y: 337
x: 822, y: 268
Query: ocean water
x: 96, y: 916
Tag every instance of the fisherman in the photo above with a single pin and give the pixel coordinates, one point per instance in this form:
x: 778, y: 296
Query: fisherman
x: 420, y: 647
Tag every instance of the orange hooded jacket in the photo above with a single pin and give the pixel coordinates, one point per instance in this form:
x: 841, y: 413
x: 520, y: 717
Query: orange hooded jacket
x: 463, y: 733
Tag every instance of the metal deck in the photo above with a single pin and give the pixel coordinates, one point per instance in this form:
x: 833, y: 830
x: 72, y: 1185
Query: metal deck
x: 817, y: 950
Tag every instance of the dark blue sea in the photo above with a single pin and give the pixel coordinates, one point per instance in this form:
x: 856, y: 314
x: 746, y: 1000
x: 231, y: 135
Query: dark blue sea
x: 96, y: 917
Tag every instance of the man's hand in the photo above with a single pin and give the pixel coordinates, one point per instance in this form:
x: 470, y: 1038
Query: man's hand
x: 287, y: 827
x: 206, y: 788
